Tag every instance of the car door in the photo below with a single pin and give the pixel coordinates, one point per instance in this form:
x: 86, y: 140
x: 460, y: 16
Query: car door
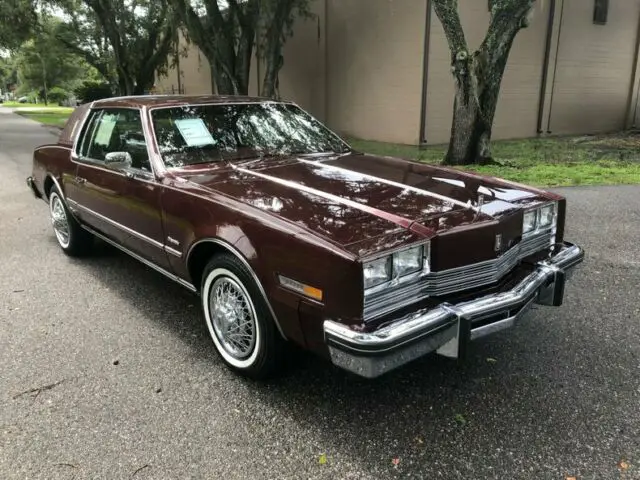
x: 119, y: 200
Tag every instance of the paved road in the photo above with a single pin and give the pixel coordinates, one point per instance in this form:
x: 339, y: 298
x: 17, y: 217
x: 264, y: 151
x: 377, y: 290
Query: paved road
x: 136, y: 385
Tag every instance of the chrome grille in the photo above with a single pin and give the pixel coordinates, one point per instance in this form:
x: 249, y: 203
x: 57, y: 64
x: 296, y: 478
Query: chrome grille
x: 453, y: 280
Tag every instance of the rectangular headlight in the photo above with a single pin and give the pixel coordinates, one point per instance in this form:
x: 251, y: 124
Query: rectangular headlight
x: 547, y: 215
x: 377, y: 271
x: 408, y: 261
x: 529, y: 221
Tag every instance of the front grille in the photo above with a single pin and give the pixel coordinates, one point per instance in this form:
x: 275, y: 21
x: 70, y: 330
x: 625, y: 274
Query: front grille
x: 435, y: 284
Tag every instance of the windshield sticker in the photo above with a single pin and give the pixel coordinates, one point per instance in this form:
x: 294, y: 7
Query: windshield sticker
x: 194, y: 132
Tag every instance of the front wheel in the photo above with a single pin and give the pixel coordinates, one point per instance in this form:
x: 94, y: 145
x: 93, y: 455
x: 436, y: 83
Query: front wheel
x: 238, y: 319
x: 72, y: 238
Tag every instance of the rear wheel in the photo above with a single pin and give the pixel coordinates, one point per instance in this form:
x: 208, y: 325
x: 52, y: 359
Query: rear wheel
x: 72, y: 238
x: 238, y: 319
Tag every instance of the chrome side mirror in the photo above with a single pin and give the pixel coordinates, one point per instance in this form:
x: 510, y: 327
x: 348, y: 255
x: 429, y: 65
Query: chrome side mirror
x: 120, y: 161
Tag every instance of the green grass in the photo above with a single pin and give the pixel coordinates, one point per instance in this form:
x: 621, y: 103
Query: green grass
x: 55, y: 116
x: 553, y: 161
x: 39, y: 105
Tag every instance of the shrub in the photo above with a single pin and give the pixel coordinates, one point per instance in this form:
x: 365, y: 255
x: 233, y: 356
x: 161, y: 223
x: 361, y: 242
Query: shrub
x: 90, y: 91
x: 57, y: 95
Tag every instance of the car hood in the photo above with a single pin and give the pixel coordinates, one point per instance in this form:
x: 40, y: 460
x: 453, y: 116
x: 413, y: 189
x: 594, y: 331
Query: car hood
x: 365, y: 203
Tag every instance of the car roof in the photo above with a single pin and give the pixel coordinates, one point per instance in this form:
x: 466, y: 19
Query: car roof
x: 152, y: 101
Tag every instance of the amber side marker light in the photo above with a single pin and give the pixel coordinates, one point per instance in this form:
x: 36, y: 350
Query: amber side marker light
x: 306, y: 290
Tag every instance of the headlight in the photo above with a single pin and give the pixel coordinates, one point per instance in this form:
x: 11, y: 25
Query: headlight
x: 541, y: 218
x: 408, y: 261
x: 547, y: 215
x: 377, y: 272
x: 529, y: 222
x: 395, y: 266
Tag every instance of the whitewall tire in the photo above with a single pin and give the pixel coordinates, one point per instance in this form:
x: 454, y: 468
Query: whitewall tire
x: 238, y: 321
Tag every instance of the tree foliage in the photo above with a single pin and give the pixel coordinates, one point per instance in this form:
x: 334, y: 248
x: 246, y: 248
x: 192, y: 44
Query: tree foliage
x: 229, y: 32
x: 478, y: 75
x: 43, y: 62
x: 128, y: 41
x: 17, y: 21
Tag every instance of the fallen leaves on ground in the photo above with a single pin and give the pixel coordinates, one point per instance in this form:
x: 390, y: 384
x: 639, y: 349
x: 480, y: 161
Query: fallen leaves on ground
x: 623, y: 465
x: 322, y: 460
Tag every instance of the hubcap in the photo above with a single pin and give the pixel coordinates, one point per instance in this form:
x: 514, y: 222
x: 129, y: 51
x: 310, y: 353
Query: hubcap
x: 232, y: 317
x: 59, y: 221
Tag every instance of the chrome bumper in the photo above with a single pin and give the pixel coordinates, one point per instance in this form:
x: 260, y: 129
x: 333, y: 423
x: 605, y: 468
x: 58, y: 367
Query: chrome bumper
x: 33, y: 187
x: 447, y: 329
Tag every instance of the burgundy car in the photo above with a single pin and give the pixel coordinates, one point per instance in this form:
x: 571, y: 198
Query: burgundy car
x: 290, y: 236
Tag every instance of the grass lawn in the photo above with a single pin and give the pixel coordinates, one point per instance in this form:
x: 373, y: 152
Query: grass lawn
x: 55, y: 116
x: 552, y: 161
x: 17, y: 105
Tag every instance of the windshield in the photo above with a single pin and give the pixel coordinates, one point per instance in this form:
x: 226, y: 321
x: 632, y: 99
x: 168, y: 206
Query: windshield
x: 189, y: 135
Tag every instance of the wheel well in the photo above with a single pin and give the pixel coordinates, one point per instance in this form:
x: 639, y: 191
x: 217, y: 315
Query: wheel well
x: 199, y: 258
x: 48, y: 185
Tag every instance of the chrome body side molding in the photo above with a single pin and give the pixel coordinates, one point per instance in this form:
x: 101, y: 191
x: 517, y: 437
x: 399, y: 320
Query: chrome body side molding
x: 161, y: 270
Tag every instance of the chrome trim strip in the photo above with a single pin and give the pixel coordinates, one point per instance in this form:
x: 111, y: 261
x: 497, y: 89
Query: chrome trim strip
x: 173, y: 251
x: 233, y: 250
x: 426, y: 193
x: 161, y: 270
x: 124, y: 228
x: 371, y: 354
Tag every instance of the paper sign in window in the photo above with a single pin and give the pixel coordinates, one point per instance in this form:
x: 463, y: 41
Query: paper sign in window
x: 105, y: 130
x: 194, y: 132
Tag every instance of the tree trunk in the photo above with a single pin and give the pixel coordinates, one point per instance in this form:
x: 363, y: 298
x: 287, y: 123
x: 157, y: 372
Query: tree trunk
x: 44, y: 81
x: 478, y: 77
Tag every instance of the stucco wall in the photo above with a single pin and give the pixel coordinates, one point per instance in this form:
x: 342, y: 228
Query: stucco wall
x: 302, y: 78
x: 195, y: 73
x: 594, y: 69
x: 374, y: 72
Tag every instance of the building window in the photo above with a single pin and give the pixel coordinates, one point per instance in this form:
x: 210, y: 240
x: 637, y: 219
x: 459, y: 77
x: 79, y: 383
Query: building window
x: 600, y: 12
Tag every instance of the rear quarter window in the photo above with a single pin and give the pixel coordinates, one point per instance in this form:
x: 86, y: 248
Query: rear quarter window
x: 72, y: 128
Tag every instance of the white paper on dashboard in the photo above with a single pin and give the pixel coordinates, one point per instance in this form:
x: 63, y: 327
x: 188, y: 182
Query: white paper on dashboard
x: 194, y: 132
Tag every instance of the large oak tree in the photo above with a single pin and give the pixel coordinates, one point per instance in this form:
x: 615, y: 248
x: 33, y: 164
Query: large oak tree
x: 128, y: 39
x: 478, y: 75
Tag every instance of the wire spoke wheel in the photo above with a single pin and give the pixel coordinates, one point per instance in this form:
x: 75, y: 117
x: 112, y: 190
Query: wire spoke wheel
x: 60, y: 221
x: 233, y: 317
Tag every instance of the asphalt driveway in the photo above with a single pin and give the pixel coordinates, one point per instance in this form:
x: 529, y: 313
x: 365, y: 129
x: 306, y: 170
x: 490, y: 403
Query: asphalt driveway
x: 107, y: 371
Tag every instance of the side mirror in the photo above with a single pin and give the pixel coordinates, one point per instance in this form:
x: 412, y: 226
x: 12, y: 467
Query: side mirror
x: 121, y: 161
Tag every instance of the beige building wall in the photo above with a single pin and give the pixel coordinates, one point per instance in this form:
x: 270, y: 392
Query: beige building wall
x: 358, y: 65
x: 594, y: 73
x: 303, y: 76
x: 374, y: 68
x: 517, y: 112
x: 195, y: 73
x: 302, y: 79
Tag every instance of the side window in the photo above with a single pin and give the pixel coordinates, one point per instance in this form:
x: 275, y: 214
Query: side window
x: 115, y: 130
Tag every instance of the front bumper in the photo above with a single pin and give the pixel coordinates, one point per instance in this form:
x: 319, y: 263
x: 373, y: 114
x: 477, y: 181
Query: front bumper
x: 447, y: 329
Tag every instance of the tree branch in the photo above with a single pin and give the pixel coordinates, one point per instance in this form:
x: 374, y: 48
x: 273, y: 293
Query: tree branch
x: 447, y: 12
